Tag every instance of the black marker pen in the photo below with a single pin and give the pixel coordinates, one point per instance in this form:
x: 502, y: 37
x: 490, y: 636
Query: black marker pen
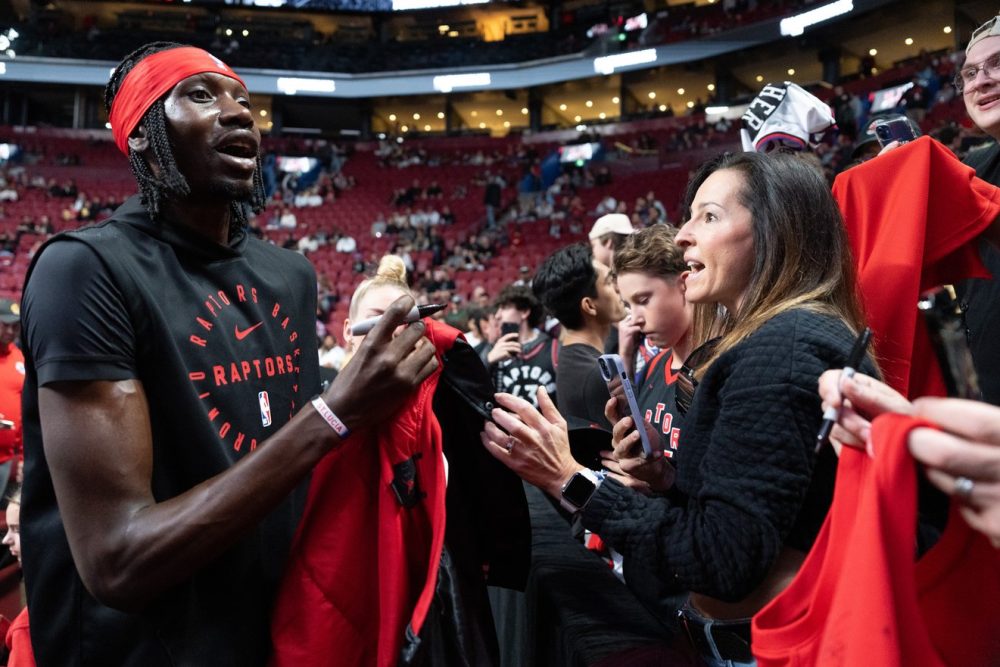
x: 416, y: 313
x: 853, y: 361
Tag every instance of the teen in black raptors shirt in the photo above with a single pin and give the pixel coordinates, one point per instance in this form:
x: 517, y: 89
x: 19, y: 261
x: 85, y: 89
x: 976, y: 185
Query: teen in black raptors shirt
x: 648, y: 270
x: 526, y: 359
x: 171, y: 368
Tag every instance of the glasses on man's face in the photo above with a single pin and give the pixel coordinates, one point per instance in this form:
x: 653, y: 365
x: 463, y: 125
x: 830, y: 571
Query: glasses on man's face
x: 968, y: 73
x: 686, y: 381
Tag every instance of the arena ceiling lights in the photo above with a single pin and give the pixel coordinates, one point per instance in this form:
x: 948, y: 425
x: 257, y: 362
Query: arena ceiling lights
x: 290, y: 85
x: 608, y: 64
x: 448, y: 82
x: 403, y: 5
x: 794, y: 26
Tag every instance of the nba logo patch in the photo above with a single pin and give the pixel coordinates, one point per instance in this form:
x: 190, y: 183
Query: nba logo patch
x: 265, y: 408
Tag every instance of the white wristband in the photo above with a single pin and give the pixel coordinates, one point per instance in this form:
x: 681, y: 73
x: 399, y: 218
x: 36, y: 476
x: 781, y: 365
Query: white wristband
x: 333, y: 420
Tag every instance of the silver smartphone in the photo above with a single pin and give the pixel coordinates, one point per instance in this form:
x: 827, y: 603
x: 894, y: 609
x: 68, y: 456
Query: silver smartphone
x: 620, y: 387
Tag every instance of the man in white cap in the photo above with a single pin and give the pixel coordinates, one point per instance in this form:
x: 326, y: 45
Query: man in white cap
x: 978, y: 80
x: 608, y: 234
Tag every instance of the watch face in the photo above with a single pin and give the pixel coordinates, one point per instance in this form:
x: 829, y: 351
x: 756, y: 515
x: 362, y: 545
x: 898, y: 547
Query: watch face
x: 579, y: 490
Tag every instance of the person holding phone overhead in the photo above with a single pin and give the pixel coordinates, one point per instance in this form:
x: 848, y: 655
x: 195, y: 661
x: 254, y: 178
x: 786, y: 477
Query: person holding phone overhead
x: 524, y: 358
x: 772, y: 281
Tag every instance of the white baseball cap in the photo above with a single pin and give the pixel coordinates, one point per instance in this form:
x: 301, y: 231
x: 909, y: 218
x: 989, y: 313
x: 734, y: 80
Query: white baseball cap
x: 612, y: 223
x: 989, y: 29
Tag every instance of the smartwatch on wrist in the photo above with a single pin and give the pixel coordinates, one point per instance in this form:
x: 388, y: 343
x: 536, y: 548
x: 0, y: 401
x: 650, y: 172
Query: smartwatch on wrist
x: 576, y: 493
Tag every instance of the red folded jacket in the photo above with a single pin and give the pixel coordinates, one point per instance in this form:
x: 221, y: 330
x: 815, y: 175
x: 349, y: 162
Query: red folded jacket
x: 364, y: 561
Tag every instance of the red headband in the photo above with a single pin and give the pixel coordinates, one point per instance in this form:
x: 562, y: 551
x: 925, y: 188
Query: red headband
x: 151, y: 78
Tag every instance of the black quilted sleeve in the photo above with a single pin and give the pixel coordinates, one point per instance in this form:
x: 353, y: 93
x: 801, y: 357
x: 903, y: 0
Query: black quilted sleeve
x: 745, y: 465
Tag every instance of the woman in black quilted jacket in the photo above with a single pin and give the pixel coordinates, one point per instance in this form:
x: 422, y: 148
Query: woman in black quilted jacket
x: 773, y: 282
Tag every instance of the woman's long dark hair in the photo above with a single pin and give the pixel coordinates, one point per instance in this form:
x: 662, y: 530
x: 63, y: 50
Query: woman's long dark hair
x: 801, y: 254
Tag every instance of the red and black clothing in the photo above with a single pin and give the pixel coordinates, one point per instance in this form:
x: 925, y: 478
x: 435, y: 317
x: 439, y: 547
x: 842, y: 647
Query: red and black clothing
x: 223, y: 340
x: 657, y: 401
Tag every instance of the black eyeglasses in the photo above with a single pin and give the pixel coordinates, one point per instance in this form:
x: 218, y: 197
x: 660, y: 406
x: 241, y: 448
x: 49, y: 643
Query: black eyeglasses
x: 686, y: 381
x: 967, y: 75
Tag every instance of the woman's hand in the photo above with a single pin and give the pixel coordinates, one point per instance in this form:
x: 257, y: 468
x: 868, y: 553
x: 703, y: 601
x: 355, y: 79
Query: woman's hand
x: 628, y: 463
x: 968, y: 448
x: 860, y: 399
x: 535, y: 444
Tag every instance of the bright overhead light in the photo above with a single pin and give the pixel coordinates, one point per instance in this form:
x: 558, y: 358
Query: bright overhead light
x: 474, y: 113
x: 908, y: 41
x: 229, y: 32
x: 791, y: 71
x: 443, y: 28
x: 107, y: 125
x: 562, y: 107
x: 711, y: 87
x: 246, y: 33
x: 608, y: 64
x: 499, y: 112
x: 263, y: 113
x: 524, y: 111
x: 663, y: 107
x: 873, y: 52
x: 392, y: 117
x: 615, y: 100
x: 794, y: 26
x: 482, y: 126
x: 405, y: 128
x: 441, y: 115
x: 427, y: 128
x: 448, y: 82
x: 589, y: 103
x: 453, y: 33
x: 602, y: 115
x: 760, y: 78
x: 578, y: 118
x: 690, y: 104
x: 652, y: 95
x: 947, y: 30
x: 381, y: 135
x: 711, y: 111
x: 416, y: 116
x: 403, y: 5
x: 291, y: 85
x: 680, y: 91
x: 506, y: 123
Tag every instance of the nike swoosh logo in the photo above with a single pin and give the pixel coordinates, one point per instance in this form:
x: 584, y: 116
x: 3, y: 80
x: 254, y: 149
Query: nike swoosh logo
x: 240, y: 335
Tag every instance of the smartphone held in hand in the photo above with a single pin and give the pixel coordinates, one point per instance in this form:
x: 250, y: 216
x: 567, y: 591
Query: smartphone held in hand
x: 620, y: 387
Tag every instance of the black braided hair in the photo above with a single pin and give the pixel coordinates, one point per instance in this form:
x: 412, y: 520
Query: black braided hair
x: 171, y: 182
